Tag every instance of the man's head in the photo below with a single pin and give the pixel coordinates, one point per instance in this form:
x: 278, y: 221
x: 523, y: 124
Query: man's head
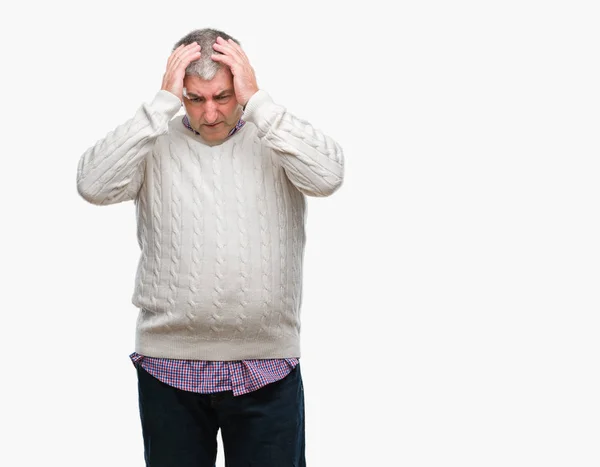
x: 209, y: 96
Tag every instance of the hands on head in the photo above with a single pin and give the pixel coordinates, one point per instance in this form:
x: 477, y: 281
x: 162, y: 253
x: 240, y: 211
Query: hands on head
x: 179, y: 60
x: 231, y: 55
x: 244, y: 79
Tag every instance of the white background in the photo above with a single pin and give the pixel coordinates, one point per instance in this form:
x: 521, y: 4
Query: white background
x: 450, y: 314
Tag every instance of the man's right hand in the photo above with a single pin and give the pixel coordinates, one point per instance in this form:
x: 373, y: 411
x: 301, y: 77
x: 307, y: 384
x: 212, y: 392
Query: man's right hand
x: 179, y: 60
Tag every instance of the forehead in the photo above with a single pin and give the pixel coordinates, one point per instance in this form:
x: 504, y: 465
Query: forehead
x: 222, y: 81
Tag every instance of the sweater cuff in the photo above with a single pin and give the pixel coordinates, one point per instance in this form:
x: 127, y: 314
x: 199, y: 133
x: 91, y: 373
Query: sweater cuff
x: 260, y: 110
x: 166, y: 103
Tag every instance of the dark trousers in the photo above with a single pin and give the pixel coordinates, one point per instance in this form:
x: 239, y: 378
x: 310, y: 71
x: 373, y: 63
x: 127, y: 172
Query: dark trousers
x: 264, y: 428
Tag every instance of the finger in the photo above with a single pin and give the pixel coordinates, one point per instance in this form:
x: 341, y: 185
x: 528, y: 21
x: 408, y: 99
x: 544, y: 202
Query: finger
x: 186, y: 57
x: 238, y: 48
x: 226, y: 59
x: 225, y: 47
x: 190, y: 56
x: 180, y: 66
x: 184, y: 49
x: 188, y: 52
x: 188, y: 49
x: 191, y: 46
x: 173, y: 55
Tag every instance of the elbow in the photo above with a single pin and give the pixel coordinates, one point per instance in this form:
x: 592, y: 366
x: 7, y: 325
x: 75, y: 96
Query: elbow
x: 335, y: 178
x: 331, y: 187
x: 323, y: 189
x: 85, y: 186
x: 333, y: 181
x: 87, y: 194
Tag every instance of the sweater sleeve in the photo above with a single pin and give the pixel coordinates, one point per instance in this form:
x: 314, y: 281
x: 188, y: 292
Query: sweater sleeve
x: 313, y: 162
x: 112, y: 170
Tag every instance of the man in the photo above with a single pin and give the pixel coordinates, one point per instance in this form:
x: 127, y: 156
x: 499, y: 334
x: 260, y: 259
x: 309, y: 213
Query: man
x: 220, y: 203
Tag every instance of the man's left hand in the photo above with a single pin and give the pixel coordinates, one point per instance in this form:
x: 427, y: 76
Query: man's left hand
x: 244, y: 79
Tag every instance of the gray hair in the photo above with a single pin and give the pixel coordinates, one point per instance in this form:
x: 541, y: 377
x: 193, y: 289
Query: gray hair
x: 206, y: 68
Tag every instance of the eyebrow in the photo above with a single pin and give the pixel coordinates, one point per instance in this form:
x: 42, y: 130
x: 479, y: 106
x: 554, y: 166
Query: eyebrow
x: 220, y: 94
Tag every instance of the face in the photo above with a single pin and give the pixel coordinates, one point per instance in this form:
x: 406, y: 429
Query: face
x: 211, y: 106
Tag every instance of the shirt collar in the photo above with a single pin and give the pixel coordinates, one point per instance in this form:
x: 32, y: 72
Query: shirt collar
x: 186, y: 123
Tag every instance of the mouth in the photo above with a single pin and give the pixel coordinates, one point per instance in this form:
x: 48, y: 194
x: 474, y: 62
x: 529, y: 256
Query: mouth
x: 214, y: 125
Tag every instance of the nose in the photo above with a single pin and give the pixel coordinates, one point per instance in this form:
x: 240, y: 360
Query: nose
x: 210, y: 113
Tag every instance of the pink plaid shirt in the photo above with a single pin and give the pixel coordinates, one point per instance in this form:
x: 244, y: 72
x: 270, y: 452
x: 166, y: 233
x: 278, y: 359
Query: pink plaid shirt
x: 206, y: 377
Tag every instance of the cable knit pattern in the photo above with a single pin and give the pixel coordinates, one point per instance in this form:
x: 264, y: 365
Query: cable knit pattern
x: 157, y: 234
x: 281, y: 223
x: 265, y: 243
x: 197, y: 240
x: 297, y: 208
x: 141, y: 210
x: 244, y: 244
x: 220, y: 226
x: 221, y: 244
x: 313, y: 161
x: 175, y: 228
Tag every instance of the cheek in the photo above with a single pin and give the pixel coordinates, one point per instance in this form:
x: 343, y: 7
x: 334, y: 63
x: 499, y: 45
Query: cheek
x: 194, y: 114
x: 230, y: 110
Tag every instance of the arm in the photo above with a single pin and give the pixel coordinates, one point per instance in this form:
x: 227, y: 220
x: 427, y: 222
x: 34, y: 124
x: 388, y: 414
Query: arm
x: 112, y: 170
x: 313, y: 162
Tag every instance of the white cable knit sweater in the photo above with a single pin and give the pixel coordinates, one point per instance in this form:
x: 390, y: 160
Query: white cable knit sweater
x: 220, y: 227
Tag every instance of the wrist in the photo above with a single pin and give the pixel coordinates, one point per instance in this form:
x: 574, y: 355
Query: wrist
x: 248, y: 100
